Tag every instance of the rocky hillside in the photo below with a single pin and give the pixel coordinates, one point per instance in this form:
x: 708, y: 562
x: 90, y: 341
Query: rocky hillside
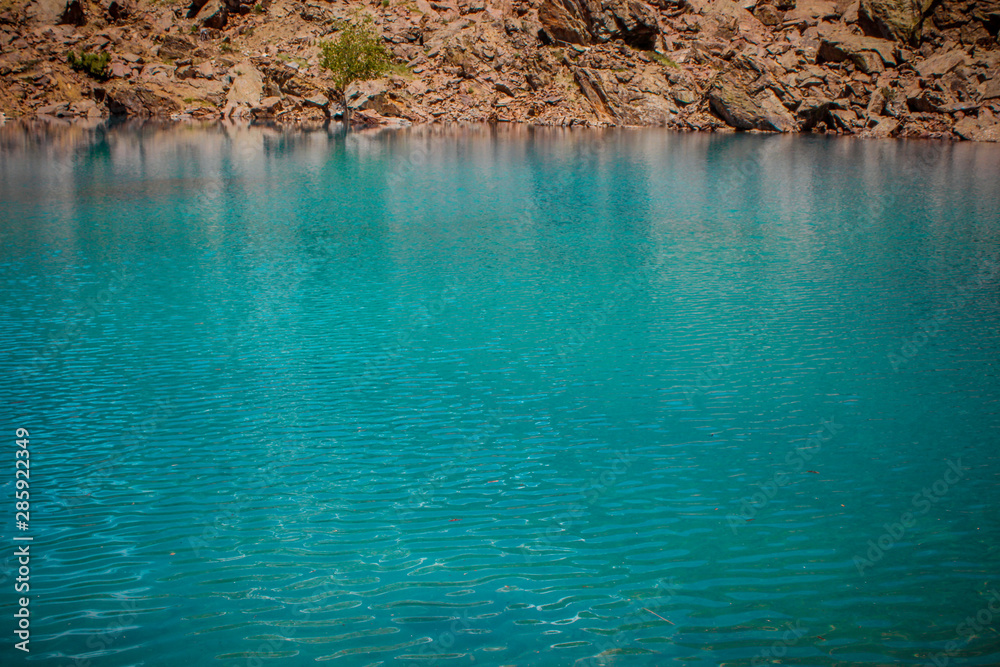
x: 883, y: 68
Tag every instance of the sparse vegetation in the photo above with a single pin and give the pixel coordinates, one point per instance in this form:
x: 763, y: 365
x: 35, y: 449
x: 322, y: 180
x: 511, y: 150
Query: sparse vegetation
x: 358, y: 54
x: 399, y: 69
x: 301, y: 62
x: 662, y: 59
x: 258, y: 8
x: 94, y: 65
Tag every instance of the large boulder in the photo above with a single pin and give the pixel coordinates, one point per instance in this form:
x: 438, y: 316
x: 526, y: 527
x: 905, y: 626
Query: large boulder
x: 899, y: 20
x: 984, y: 128
x: 214, y: 14
x: 55, y: 12
x: 599, y: 21
x: 731, y: 101
x: 563, y: 21
x: 245, y: 92
x: 812, y: 12
x: 940, y: 63
x: 174, y: 47
x: 117, y: 10
x: 726, y: 20
x: 123, y: 99
x: 814, y: 110
x: 885, y: 128
x: 990, y: 89
x: 630, y: 20
x: 367, y: 95
x: 869, y: 54
x: 604, y: 97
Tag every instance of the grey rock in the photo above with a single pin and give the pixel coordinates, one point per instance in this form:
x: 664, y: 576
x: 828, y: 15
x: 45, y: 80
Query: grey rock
x: 739, y: 109
x: 683, y: 96
x: 318, y: 100
x: 174, y: 47
x: 245, y: 92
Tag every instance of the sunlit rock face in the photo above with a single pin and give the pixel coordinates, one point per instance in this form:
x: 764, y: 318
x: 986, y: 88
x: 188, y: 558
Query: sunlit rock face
x: 691, y: 65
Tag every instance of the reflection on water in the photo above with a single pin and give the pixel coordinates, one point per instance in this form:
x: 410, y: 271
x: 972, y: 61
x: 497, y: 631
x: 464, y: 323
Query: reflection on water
x: 500, y: 395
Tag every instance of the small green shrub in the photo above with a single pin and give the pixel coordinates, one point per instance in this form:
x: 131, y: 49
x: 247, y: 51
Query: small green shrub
x: 358, y: 54
x: 258, y: 8
x: 94, y: 65
x: 662, y: 59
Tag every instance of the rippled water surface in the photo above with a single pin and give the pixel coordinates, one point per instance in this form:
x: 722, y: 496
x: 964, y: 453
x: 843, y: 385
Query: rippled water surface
x: 500, y: 397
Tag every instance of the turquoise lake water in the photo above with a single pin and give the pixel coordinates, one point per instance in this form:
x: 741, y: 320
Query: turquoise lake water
x: 500, y: 397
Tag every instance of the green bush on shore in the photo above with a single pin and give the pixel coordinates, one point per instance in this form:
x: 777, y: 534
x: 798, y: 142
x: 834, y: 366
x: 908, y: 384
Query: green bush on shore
x: 94, y: 65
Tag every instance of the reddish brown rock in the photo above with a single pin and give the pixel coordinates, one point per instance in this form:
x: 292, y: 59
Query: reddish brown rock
x: 940, y: 64
x: 768, y: 15
x: 899, y: 20
x: 688, y: 64
x: 214, y: 14
x: 598, y: 21
x: 985, y: 127
x: 55, y: 12
x: 175, y: 47
x: 123, y: 99
x: 868, y: 54
x: 739, y: 109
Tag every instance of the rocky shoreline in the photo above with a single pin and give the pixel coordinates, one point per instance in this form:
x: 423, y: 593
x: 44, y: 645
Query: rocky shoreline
x: 872, y: 68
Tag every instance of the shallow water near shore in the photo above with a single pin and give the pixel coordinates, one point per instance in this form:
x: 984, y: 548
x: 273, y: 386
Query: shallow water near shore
x: 501, y: 396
